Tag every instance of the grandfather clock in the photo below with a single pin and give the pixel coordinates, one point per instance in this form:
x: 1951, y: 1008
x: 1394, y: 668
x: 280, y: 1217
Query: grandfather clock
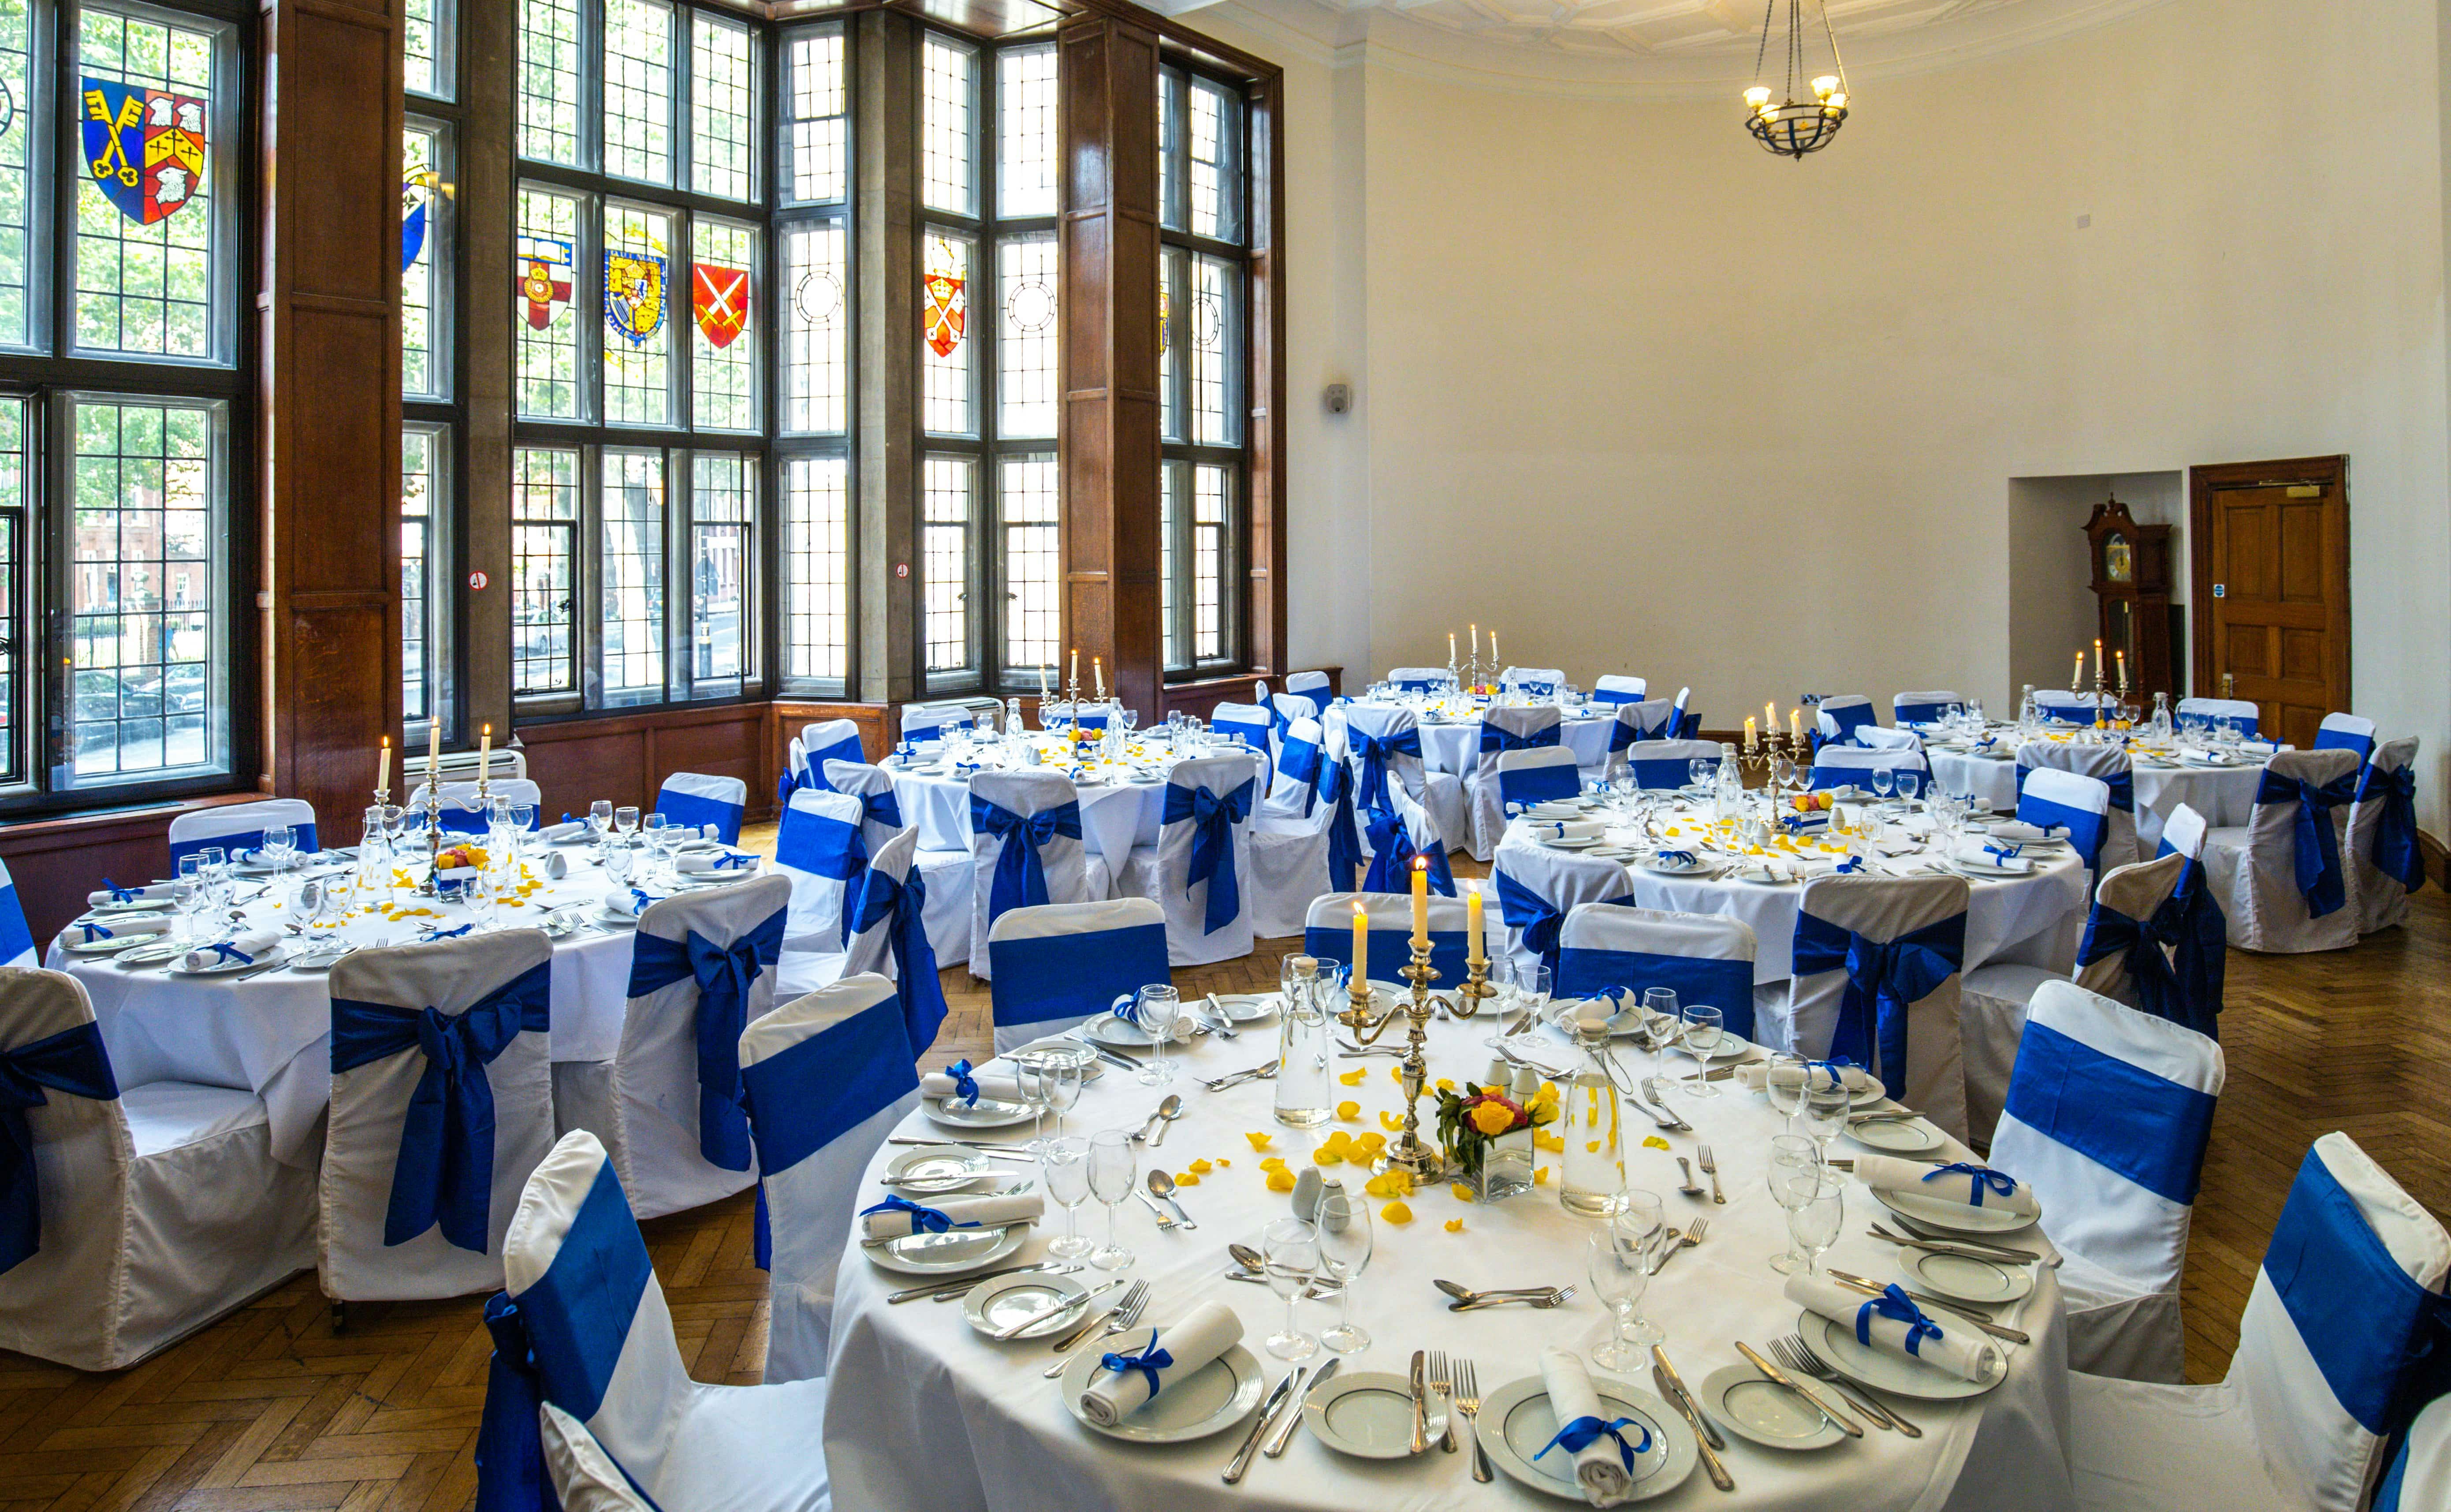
x: 2131, y: 588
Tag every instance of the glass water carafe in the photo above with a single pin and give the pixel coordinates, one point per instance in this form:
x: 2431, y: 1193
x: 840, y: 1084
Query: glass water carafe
x: 1305, y: 1047
x: 1592, y: 1179
x: 1728, y: 798
x: 2161, y: 716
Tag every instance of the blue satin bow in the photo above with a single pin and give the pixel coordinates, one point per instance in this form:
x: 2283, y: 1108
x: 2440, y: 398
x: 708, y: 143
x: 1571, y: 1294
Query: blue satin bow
x: 431, y: 936
x: 642, y: 900
x: 922, y: 1220
x: 1494, y: 739
x: 2000, y: 1183
x: 880, y: 896
x: 1535, y: 917
x: 1374, y: 752
x: 789, y: 783
x: 2109, y: 933
x: 966, y: 1085
x: 511, y: 1475
x: 880, y: 807
x: 1852, y: 866
x: 1020, y: 877
x: 1344, y: 858
x: 1894, y: 1304
x: 1391, y: 859
x: 129, y: 894
x: 1883, y: 979
x: 445, y: 1172
x: 1680, y: 857
x: 733, y: 861
x: 2006, y: 853
x: 724, y: 974
x: 224, y: 951
x: 72, y: 1061
x: 95, y: 932
x: 1304, y: 762
x: 1148, y: 1361
x: 1583, y: 1432
x: 1213, y: 816
x: 2395, y: 854
x: 2318, y: 846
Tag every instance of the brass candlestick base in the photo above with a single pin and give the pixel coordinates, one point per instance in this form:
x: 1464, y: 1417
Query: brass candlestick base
x: 1410, y: 1152
x: 1476, y: 989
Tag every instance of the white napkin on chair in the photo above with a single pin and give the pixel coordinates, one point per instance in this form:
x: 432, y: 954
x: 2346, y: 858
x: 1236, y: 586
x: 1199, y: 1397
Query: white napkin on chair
x: 151, y: 890
x: 1600, y: 1467
x: 254, y: 943
x: 1890, y: 1173
x: 117, y: 929
x: 1962, y: 1350
x: 988, y: 1212
x: 1194, y: 1341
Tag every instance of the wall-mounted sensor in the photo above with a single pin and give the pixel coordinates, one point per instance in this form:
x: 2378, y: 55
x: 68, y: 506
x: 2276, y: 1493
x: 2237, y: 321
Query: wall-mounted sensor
x: 1339, y: 398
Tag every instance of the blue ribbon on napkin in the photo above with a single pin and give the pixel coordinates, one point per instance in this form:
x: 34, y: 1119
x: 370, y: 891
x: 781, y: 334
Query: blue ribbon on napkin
x: 1896, y: 1304
x: 1126, y: 1006
x: 1583, y: 1432
x: 2006, y: 853
x: 1679, y: 857
x: 129, y: 894
x: 922, y: 1220
x: 1148, y: 1361
x: 1853, y: 864
x: 225, y: 951
x: 966, y: 1085
x: 734, y: 860
x: 1999, y: 1181
x: 95, y: 932
x: 640, y: 898
x: 1836, y: 1066
x: 431, y: 936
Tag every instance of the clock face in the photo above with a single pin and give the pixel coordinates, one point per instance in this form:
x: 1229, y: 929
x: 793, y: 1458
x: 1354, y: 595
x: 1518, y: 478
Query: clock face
x: 2118, y: 558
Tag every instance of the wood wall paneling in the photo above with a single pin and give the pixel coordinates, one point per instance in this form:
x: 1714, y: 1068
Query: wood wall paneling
x: 489, y: 42
x: 56, y: 863
x: 885, y: 642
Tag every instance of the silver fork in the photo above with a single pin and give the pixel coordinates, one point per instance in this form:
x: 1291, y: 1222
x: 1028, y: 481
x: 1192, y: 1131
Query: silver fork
x: 1126, y: 1313
x: 1660, y: 1109
x: 1711, y: 1168
x: 1796, y: 1355
x: 1467, y: 1402
x: 1693, y: 1237
x: 1442, y: 1380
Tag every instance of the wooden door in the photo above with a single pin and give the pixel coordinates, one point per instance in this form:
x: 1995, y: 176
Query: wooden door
x: 2271, y: 611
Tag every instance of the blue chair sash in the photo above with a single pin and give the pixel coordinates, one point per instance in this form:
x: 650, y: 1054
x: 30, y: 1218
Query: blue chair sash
x: 693, y: 813
x: 1020, y: 877
x: 1915, y: 712
x: 17, y: 939
x: 2318, y: 846
x: 881, y: 807
x: 2124, y: 1118
x: 1303, y: 761
x: 1346, y: 861
x: 72, y: 1061
x: 2085, y: 828
x: 1494, y: 739
x: 822, y: 846
x: 804, y: 1098
x: 1213, y: 816
x: 723, y: 973
x: 1391, y: 859
x: 511, y: 1474
x: 2200, y: 957
x: 1073, y: 976
x: 246, y: 841
x: 1391, y: 948
x: 2109, y: 933
x: 2345, y: 740
x: 882, y: 896
x: 1374, y: 752
x: 1538, y: 919
x: 1614, y: 696
x: 1538, y: 784
x: 2395, y: 854
x: 1665, y: 772
x: 444, y: 1175
x: 846, y: 749
x: 1252, y: 733
x: 1727, y: 985
x: 1884, y: 980
x: 2121, y: 786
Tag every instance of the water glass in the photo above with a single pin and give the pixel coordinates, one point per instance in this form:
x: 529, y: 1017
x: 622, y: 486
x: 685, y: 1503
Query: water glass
x: 1659, y: 1003
x: 1028, y: 1072
x: 1531, y: 985
x: 1160, y: 1008
x: 1885, y: 783
x: 1064, y: 1165
x: 1783, y: 1079
x: 1794, y: 1173
x: 625, y: 820
x: 599, y: 818
x: 1827, y: 1103
x: 280, y: 846
x: 1062, y: 1070
x: 1345, y: 1246
x: 1618, y: 1256
x: 659, y: 833
x: 1290, y: 1258
x: 1703, y: 1026
x: 1704, y: 771
x: 1115, y: 1174
x: 1816, y: 1209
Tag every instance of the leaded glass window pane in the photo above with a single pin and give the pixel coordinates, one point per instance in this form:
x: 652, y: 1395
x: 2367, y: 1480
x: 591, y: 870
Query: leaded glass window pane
x: 723, y: 533
x: 818, y: 104
x: 947, y: 384
x: 148, y: 289
x: 16, y: 184
x: 426, y: 37
x: 545, y: 304
x: 1169, y: 482
x: 637, y: 315
x: 1026, y: 355
x: 723, y: 344
x: 1033, y: 610
x: 424, y: 357
x: 632, y: 565
x: 544, y: 570
x: 1216, y: 347
x: 421, y: 459
x: 1170, y: 324
x: 549, y: 81
x: 1212, y: 497
x: 817, y: 561
x: 13, y: 480
x: 1216, y: 163
x: 723, y: 106
x: 638, y: 89
x: 816, y: 374
x: 1026, y: 109
x: 947, y: 125
x: 948, y: 506
x: 146, y: 630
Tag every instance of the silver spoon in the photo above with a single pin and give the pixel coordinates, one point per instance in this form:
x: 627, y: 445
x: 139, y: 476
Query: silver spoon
x: 1167, y: 1112
x: 1691, y: 1189
x: 1162, y: 1184
x: 1464, y: 1294
x: 1156, y: 1118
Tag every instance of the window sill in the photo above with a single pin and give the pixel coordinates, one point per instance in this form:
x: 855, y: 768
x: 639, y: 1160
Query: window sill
x: 50, y: 832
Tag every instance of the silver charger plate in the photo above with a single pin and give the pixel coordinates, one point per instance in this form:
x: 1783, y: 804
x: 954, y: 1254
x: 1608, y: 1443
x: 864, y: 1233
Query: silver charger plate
x: 1751, y: 1406
x: 1884, y: 1371
x: 1965, y: 1277
x: 1516, y: 1421
x: 994, y: 1306
x: 939, y: 1169
x: 1368, y: 1414
x: 948, y: 1254
x: 1954, y: 1217
x: 1210, y: 1400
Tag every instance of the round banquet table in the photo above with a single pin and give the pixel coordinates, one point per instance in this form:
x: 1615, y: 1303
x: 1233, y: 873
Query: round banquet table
x: 2223, y: 794
x: 2033, y: 919
x: 1455, y: 746
x: 269, y: 1034
x: 926, y: 1413
x: 1123, y: 803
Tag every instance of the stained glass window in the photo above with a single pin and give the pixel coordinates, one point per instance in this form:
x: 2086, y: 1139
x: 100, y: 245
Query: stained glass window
x: 145, y: 247
x: 424, y: 453
x: 638, y: 89
x: 549, y: 81
x: 722, y: 560
x: 947, y: 125
x: 945, y: 346
x: 16, y: 184
x: 817, y: 547
x: 723, y: 106
x: 819, y: 102
x: 817, y: 376
x: 544, y: 570
x: 723, y: 337
x: 948, y: 490
x: 1033, y: 613
x: 637, y: 315
x: 1026, y: 350
x: 425, y: 212
x: 552, y: 282
x: 632, y: 609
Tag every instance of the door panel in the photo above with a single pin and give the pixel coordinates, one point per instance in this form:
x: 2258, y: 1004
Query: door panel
x: 2271, y: 589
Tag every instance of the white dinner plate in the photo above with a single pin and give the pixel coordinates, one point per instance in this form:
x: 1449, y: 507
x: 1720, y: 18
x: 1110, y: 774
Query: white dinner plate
x: 263, y: 957
x: 1985, y: 871
x: 1123, y: 1034
x: 142, y: 905
x: 994, y: 1306
x: 1884, y: 1371
x: 1368, y: 1414
x: 948, y: 1254
x: 1516, y: 1421
x: 110, y: 946
x: 1896, y: 1136
x: 1953, y: 1217
x: 986, y: 1113
x: 937, y: 1168
x: 1731, y: 1047
x: 1580, y: 842
x: 1963, y: 1277
x: 1753, y: 1407
x: 1212, y: 1400
x: 610, y: 914
x: 1670, y: 869
x: 1242, y: 1007
x: 152, y: 949
x: 321, y: 957
x: 1760, y: 874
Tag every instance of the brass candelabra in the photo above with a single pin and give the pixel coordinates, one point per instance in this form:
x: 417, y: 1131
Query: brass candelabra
x: 1410, y: 1154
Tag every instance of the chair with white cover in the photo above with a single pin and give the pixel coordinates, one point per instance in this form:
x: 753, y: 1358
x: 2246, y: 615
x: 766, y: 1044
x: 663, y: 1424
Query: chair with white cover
x: 1615, y: 687
x: 1537, y: 887
x: 945, y: 874
x: 821, y: 851
x: 1196, y: 871
x: 237, y: 827
x: 1026, y: 850
x: 1061, y: 964
x: 2346, y: 732
x: 1638, y: 722
x: 2054, y: 799
x: 704, y: 805
x: 587, y: 1390
x: 2381, y: 840
x: 2069, y: 706
x: 1895, y: 1013
x: 2116, y: 769
x: 1384, y: 744
x: 888, y: 919
x: 1311, y: 685
x: 1684, y: 721
x: 1291, y: 835
x: 461, y: 811
x: 796, y: 772
x: 1852, y: 766
x: 1284, y: 710
x: 442, y: 1104
x: 1656, y: 765
x: 1924, y: 707
x: 1504, y: 728
x: 16, y: 936
x: 2341, y: 1345
x: 831, y: 741
x: 1534, y: 683
x: 1419, y: 679
x: 1880, y: 737
x: 825, y: 1078
x: 2279, y: 877
x: 1526, y: 777
x: 667, y: 1105
x: 128, y: 1217
x: 2116, y: 1188
x: 1839, y: 717
x: 2244, y: 716
x: 1328, y: 934
x: 922, y: 722
x: 1248, y: 723
x: 1398, y: 836
x: 1705, y: 958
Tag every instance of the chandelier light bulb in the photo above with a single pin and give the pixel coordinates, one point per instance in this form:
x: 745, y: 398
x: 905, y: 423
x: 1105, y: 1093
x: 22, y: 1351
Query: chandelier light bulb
x: 1758, y: 97
x: 1838, y: 100
x: 1826, y: 86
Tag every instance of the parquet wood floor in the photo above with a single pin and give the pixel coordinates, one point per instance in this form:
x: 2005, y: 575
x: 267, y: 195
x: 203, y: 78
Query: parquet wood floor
x: 268, y: 1410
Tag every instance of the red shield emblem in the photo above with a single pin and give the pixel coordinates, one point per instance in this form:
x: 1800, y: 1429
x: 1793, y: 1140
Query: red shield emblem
x: 544, y: 276
x: 720, y: 297
x: 947, y: 311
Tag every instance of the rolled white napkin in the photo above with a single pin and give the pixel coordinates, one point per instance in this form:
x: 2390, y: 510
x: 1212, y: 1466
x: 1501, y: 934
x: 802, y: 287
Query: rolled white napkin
x: 566, y: 830
x: 1754, y: 1073
x: 1192, y: 1342
x: 2017, y: 832
x: 1961, y: 1349
x: 714, y: 861
x: 1568, y: 829
x: 1973, y: 853
x: 1554, y: 809
x: 988, y: 1212
x: 1890, y: 1173
x: 254, y: 943
x: 1001, y: 1086
x: 627, y: 900
x: 151, y: 890
x: 1599, y: 1465
x: 117, y: 929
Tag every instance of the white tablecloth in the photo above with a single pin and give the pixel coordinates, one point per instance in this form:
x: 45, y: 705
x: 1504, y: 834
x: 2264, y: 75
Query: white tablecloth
x: 925, y: 1413
x: 2225, y: 796
x: 1457, y: 747
x: 271, y: 1034
x: 1114, y: 815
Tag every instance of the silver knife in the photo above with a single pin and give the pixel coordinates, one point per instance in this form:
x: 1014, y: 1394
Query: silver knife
x: 1241, y: 1460
x: 1060, y: 1304
x: 1837, y: 1419
x: 1998, y: 1330
x: 939, y: 1289
x: 1421, y: 1419
x: 1720, y: 1475
x: 1668, y: 1374
x: 1276, y: 1448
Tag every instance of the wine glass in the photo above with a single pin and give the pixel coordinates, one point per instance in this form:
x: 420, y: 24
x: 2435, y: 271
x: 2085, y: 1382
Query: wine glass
x: 1113, y: 1175
x: 1061, y: 1071
x: 187, y: 888
x: 1703, y: 1026
x: 1029, y: 1072
x: 1065, y: 1164
x: 626, y: 821
x: 1159, y: 1008
x: 1703, y: 770
x: 1816, y: 1206
x: 1885, y: 783
x: 1792, y: 1156
x: 1531, y: 985
x: 618, y: 866
x: 279, y: 848
x: 1289, y: 1256
x: 600, y: 819
x: 1827, y: 1103
x: 659, y: 833
x: 1783, y: 1080
x: 1659, y: 1003
x: 1618, y: 1256
x: 1345, y: 1246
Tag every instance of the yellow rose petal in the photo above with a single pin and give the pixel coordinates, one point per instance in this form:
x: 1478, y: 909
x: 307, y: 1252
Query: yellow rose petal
x: 1445, y: 1083
x: 1223, y: 1161
x: 1328, y: 1155
x: 1551, y: 1143
x: 1349, y: 1110
x: 1371, y: 1144
x: 1540, y: 1176
x: 1396, y: 1212
x: 1259, y: 1141
x: 1202, y: 1167
x: 1454, y: 1226
x: 1188, y: 1178
x: 1273, y: 1163
x: 1338, y: 1139
x: 1353, y: 1078
x: 1281, y: 1181
x: 1390, y: 1121
x: 1462, y: 1193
